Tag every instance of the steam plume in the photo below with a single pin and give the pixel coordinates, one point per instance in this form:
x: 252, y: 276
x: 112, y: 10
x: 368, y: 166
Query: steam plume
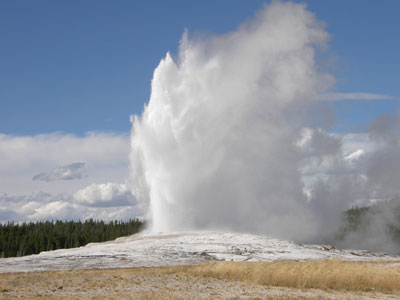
x: 215, y: 147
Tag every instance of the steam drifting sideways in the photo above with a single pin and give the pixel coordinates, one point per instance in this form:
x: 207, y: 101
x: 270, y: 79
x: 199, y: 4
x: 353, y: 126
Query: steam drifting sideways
x: 225, y: 143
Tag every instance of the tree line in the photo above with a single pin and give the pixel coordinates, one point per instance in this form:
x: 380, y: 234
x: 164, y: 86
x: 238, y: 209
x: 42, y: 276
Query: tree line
x: 382, y: 218
x: 33, y: 238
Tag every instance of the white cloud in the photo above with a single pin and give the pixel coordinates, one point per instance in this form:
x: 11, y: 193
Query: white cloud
x: 22, y: 157
x: 354, y: 156
x: 52, y: 194
x: 56, y: 209
x: 105, y: 195
x: 354, y: 96
x: 45, y: 149
x: 110, y: 201
x: 68, y: 172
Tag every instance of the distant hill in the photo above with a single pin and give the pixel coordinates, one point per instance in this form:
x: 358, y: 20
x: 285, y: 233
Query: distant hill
x: 375, y: 228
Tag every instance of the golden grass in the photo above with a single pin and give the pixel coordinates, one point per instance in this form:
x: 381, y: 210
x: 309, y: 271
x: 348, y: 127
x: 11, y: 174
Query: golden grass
x: 319, y: 274
x: 262, y: 280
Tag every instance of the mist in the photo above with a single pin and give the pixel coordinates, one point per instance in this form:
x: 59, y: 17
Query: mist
x: 225, y: 141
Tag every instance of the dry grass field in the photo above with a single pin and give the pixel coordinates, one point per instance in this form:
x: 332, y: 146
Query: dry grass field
x: 320, y: 274
x: 327, y: 279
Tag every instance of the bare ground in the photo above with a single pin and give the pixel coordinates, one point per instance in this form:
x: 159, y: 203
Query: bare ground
x: 153, y: 283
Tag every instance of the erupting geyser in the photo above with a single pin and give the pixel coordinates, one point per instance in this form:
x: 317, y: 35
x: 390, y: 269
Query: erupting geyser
x: 213, y: 148
x: 224, y: 142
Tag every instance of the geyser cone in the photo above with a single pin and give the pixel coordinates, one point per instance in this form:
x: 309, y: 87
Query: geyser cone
x: 213, y: 148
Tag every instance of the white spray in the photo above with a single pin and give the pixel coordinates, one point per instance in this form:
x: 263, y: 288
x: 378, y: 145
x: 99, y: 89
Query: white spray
x: 213, y: 148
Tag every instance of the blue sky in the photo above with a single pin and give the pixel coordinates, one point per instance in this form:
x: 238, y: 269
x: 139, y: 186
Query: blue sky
x: 78, y: 66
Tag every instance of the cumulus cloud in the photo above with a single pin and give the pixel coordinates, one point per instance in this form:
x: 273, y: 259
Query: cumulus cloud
x: 68, y: 172
x: 99, y: 158
x: 56, y: 209
x: 105, y: 195
x: 108, y: 201
x: 27, y: 207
